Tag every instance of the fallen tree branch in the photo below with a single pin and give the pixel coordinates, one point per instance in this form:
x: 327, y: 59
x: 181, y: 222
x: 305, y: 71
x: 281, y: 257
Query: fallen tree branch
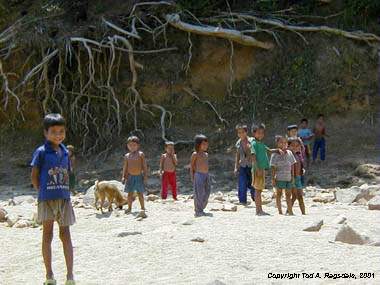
x: 132, y: 34
x: 228, y: 34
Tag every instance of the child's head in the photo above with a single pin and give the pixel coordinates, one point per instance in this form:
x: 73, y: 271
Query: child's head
x: 133, y: 143
x: 54, y: 128
x: 292, y: 130
x: 281, y: 142
x: 304, y: 123
x: 320, y: 117
x: 201, y: 143
x: 242, y: 131
x: 258, y: 131
x: 294, y: 144
x: 169, y: 147
x: 70, y: 148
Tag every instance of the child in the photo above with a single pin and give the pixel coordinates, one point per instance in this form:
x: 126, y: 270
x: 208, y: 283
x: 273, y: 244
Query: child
x: 306, y: 135
x: 297, y: 191
x: 168, y: 163
x: 199, y: 175
x: 319, y: 141
x: 282, y: 173
x: 50, y: 168
x: 243, y: 164
x: 260, y: 161
x: 72, y: 180
x: 135, y: 174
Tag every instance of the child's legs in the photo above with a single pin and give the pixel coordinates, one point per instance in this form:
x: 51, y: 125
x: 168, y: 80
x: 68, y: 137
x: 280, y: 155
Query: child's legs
x: 294, y: 195
x: 323, y: 149
x: 64, y: 235
x: 173, y: 184
x: 259, y: 208
x: 165, y: 182
x: 47, y: 237
x: 130, y: 200
x: 248, y: 174
x: 288, y: 195
x: 141, y: 200
x: 300, y: 201
x: 242, y: 185
x: 315, y: 149
x: 278, y: 200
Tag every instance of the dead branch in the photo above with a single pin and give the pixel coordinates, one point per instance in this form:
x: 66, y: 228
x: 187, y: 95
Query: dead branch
x: 7, y: 90
x: 132, y: 34
x: 191, y: 93
x: 229, y: 34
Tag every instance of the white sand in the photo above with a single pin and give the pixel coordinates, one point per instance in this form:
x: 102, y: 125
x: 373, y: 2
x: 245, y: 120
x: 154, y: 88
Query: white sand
x: 239, y: 247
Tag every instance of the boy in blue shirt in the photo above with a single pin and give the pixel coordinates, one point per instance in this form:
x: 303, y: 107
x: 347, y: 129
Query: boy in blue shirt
x: 50, y: 177
x: 306, y: 135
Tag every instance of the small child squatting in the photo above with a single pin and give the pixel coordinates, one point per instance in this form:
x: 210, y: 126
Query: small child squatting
x: 50, y: 168
x: 168, y: 163
x: 282, y: 174
x: 135, y: 174
x: 199, y: 175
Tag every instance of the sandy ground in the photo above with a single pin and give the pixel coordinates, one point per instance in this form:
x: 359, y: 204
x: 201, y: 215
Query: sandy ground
x: 239, y: 247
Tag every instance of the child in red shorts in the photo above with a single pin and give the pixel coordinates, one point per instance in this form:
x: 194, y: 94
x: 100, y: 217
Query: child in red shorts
x: 168, y: 163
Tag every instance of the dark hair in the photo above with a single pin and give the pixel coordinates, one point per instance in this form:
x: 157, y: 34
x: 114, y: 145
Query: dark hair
x: 241, y: 127
x: 198, y: 140
x: 52, y: 120
x: 320, y: 115
x: 168, y: 143
x: 133, y: 139
x: 292, y: 127
x: 304, y: 120
x: 255, y: 127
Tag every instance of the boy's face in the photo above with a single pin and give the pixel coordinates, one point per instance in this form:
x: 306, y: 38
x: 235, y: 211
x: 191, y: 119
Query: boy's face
x: 303, y: 125
x: 292, y: 133
x: 282, y: 144
x: 204, y: 146
x: 259, y: 134
x: 295, y: 146
x: 242, y: 134
x: 55, y: 134
x: 320, y: 119
x: 170, y: 149
x: 133, y: 146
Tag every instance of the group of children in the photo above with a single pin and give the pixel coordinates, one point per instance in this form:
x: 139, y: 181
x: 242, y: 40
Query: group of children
x: 53, y: 175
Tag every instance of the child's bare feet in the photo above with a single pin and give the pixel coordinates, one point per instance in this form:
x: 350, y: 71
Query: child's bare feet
x: 262, y: 213
x: 128, y: 211
x: 142, y: 214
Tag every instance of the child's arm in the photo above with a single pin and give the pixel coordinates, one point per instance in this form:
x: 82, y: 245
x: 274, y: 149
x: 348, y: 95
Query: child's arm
x: 237, y: 159
x: 35, y: 178
x: 124, y: 176
x: 275, y: 150
x: 175, y: 160
x: 273, y: 176
x: 192, y: 165
x: 161, y: 164
x: 145, y: 167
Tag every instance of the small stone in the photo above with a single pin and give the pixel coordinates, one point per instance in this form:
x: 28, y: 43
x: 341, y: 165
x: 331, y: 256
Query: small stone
x: 324, y: 198
x: 29, y: 199
x: 346, y: 234
x: 229, y: 208
x: 125, y: 234
x: 152, y: 197
x: 198, y: 239
x: 188, y: 223
x: 22, y: 224
x: 374, y: 203
x: 11, y: 202
x: 314, y: 227
x: 340, y: 220
x: 3, y: 214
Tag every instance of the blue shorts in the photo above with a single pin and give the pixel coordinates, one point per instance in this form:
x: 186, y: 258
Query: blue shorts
x: 287, y: 185
x: 298, y: 184
x: 135, y: 183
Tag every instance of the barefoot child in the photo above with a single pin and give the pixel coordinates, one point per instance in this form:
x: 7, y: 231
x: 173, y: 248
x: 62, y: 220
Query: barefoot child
x: 260, y: 161
x: 282, y: 173
x: 168, y: 163
x: 72, y: 179
x: 50, y: 168
x: 306, y: 135
x: 199, y: 175
x: 243, y: 164
x: 135, y: 174
x: 319, y: 138
x: 297, y: 191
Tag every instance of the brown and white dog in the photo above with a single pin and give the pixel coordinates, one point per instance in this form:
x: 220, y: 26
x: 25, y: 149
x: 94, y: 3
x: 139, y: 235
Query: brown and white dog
x: 106, y: 189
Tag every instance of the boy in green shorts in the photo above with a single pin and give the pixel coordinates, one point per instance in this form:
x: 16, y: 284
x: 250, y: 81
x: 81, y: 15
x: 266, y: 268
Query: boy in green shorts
x: 260, y: 162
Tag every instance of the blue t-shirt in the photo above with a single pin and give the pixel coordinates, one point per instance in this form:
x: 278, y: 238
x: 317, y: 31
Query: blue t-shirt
x: 304, y: 133
x: 54, y: 169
